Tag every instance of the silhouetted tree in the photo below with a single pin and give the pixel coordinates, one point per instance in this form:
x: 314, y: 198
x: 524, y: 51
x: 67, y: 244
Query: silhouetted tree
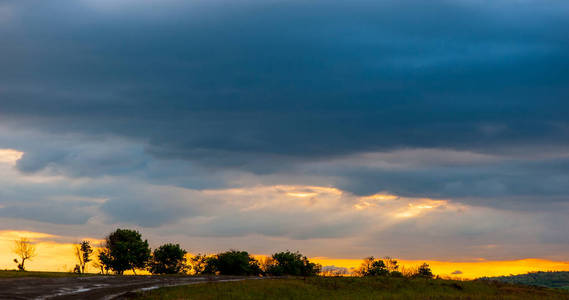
x: 168, y: 259
x: 125, y: 250
x: 25, y: 250
x: 291, y: 263
x: 202, y: 264
x: 104, y: 260
x: 365, y: 266
x: 232, y: 262
x: 378, y: 268
x: 83, y: 253
x: 373, y: 267
x: 424, y: 271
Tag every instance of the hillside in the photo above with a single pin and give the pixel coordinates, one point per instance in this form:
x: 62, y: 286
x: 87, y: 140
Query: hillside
x: 545, y: 279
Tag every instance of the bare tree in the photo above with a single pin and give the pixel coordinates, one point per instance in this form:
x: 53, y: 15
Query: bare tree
x: 83, y: 253
x: 391, y: 264
x: 25, y: 250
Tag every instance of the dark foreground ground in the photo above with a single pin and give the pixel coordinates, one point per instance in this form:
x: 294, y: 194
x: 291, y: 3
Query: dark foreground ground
x: 93, y: 287
x: 343, y: 288
x: 29, y: 285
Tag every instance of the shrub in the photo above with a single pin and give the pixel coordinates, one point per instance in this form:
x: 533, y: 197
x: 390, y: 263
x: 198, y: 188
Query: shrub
x: 424, y: 271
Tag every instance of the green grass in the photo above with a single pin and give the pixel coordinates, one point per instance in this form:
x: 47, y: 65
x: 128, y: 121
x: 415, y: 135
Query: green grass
x: 14, y: 274
x: 353, y: 288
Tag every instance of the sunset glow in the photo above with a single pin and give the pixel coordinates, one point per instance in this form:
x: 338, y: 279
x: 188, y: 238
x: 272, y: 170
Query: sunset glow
x: 56, y: 256
x: 465, y: 270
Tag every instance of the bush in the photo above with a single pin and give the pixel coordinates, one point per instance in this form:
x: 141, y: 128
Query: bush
x: 396, y: 274
x: 424, y: 271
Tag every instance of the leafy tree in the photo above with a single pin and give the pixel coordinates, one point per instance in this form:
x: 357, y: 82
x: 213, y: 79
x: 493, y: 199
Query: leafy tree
x: 83, y: 253
x: 291, y: 263
x: 424, y: 271
x: 168, y: 259
x: 373, y: 267
x: 233, y: 262
x: 378, y: 268
x: 25, y: 250
x: 125, y: 250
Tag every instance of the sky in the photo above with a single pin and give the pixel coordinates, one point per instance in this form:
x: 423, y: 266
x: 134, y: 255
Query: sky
x: 423, y: 130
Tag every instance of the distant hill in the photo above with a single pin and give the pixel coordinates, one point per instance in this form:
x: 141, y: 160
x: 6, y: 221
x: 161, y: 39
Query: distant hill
x: 546, y: 279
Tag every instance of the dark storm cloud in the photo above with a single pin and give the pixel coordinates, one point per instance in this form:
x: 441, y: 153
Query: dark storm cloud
x: 536, y: 182
x: 226, y: 85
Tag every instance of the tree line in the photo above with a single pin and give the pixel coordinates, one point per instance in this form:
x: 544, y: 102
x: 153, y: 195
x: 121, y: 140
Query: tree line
x: 390, y: 267
x: 125, y: 250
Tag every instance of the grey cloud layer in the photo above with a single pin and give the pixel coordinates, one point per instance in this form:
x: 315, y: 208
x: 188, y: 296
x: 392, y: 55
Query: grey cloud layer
x: 462, y: 100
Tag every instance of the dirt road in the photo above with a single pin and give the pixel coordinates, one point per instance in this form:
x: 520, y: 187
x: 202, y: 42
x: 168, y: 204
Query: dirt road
x: 92, y: 287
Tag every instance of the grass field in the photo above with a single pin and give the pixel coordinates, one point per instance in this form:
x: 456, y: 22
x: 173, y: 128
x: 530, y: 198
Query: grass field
x: 354, y: 288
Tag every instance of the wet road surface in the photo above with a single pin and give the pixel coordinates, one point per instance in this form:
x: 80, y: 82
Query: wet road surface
x: 93, y: 287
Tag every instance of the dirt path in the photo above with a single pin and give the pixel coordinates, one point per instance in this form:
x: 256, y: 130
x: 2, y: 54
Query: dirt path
x: 92, y: 287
